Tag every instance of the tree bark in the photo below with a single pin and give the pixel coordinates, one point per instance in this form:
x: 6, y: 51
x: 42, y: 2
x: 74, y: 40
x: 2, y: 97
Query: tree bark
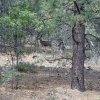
x: 78, y: 34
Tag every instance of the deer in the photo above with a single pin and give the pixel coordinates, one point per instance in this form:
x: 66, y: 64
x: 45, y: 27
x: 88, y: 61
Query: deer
x: 45, y: 43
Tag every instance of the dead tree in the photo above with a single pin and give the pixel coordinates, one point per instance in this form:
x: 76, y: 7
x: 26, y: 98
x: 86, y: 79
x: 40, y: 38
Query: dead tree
x: 61, y: 44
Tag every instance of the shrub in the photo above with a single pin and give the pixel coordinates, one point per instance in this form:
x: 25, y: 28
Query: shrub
x: 89, y: 85
x: 11, y: 79
x: 25, y: 67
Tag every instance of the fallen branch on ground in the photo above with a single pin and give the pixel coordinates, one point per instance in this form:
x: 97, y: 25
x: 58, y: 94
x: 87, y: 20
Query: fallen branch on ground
x: 58, y: 59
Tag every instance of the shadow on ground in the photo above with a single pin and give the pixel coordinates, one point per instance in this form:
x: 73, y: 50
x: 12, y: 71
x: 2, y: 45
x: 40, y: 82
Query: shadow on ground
x: 44, y: 77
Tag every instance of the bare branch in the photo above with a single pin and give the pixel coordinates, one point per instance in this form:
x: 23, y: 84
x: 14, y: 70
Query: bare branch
x: 93, y: 36
x: 58, y: 59
x: 77, y: 7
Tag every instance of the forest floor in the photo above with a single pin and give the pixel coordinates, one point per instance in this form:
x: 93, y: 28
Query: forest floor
x: 51, y: 80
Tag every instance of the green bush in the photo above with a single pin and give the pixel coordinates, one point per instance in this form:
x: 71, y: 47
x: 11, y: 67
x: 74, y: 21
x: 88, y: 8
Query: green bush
x: 25, y: 67
x: 11, y: 79
x: 8, y: 76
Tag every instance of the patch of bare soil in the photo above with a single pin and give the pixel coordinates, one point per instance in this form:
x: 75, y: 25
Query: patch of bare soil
x: 51, y: 93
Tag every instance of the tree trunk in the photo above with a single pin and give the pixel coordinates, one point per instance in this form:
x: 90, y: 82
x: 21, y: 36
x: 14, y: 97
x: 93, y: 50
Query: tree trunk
x: 16, y: 48
x: 78, y: 34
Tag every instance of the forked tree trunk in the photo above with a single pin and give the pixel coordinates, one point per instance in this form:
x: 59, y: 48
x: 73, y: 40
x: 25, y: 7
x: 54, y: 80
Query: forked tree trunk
x: 78, y: 33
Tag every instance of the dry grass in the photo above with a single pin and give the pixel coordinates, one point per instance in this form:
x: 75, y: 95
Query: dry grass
x: 50, y: 93
x: 51, y: 82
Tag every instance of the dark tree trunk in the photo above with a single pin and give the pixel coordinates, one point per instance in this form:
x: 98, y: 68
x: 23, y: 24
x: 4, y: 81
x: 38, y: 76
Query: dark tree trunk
x: 78, y: 34
x: 16, y: 48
